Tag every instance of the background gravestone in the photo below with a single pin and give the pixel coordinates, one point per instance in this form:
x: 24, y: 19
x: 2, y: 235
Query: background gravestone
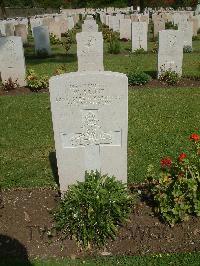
x: 139, y: 36
x: 12, y: 62
x: 90, y: 122
x: 170, y: 52
x: 90, y: 51
x: 41, y: 40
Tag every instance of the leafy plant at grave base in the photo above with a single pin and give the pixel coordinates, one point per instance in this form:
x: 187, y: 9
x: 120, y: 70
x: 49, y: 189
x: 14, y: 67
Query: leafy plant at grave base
x: 43, y: 53
x: 195, y: 38
x: 140, y: 51
x: 170, y: 77
x: 92, y: 211
x: 114, y: 46
x: 60, y: 70
x: 187, y: 49
x: 170, y: 26
x: 10, y: 85
x: 138, y: 77
x: 71, y: 34
x: 54, y: 40
x: 68, y: 41
x: 36, y: 82
x: 108, y: 33
x: 155, y: 48
x: 176, y: 195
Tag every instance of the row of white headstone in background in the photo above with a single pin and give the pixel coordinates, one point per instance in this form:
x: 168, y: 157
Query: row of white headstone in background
x: 12, y: 62
x: 90, y: 110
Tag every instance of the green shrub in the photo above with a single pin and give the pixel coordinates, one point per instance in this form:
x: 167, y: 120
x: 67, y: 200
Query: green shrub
x: 195, y: 38
x: 36, y: 82
x: 170, y: 26
x: 138, y: 77
x: 114, y: 46
x: 60, y: 70
x: 155, y: 48
x: 170, y: 77
x: 54, y: 40
x: 92, y: 211
x: 187, y: 49
x: 140, y: 51
x: 68, y: 41
x: 176, y: 195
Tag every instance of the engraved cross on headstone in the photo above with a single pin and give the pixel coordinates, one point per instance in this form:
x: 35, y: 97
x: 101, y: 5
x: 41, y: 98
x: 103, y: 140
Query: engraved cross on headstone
x: 92, y: 139
x: 140, y: 40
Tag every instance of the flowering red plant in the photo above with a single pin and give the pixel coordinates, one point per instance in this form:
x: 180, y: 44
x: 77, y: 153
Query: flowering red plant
x: 181, y: 157
x: 177, y: 193
x: 195, y: 137
x: 166, y: 162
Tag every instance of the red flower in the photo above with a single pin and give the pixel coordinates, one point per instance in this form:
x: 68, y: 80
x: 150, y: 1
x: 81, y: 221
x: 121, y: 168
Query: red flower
x: 166, y: 162
x: 181, y: 157
x: 195, y: 137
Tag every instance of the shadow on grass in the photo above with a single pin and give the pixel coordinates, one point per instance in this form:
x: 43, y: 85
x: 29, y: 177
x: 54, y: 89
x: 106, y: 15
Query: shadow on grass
x: 152, y: 73
x: 12, y: 252
x: 54, y: 167
x: 55, y: 58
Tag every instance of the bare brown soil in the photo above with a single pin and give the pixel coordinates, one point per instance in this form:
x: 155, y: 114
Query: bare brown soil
x: 184, y: 83
x: 26, y: 230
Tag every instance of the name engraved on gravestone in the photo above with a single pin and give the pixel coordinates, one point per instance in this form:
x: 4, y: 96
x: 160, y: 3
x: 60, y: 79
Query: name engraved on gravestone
x: 88, y: 94
x: 90, y: 122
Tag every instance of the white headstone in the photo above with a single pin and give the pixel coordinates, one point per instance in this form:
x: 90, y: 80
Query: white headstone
x: 21, y: 31
x: 125, y: 29
x: 41, y: 39
x: 139, y: 35
x: 90, y: 51
x: 12, y: 62
x: 89, y: 26
x: 187, y: 30
x: 159, y: 24
x: 90, y: 122
x: 170, y: 53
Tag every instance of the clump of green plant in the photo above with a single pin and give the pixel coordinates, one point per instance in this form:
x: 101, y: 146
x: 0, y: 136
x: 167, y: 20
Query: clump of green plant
x: 36, y: 82
x: 54, y: 40
x: 139, y: 51
x: 170, y: 26
x: 138, y: 77
x: 176, y: 194
x: 42, y: 53
x: 170, y: 77
x: 187, y: 49
x: 70, y: 35
x: 60, y: 70
x: 92, y: 211
x: 155, y: 48
x: 67, y: 43
x: 10, y: 85
x: 195, y: 38
x: 114, y: 46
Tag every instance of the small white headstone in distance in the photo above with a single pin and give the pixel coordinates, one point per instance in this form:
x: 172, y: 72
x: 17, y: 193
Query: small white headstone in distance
x: 41, y: 39
x: 90, y: 51
x: 139, y: 36
x: 12, y: 62
x: 170, y: 52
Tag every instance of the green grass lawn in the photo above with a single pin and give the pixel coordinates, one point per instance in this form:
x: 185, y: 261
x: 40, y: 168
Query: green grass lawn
x: 160, y: 121
x: 192, y: 259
